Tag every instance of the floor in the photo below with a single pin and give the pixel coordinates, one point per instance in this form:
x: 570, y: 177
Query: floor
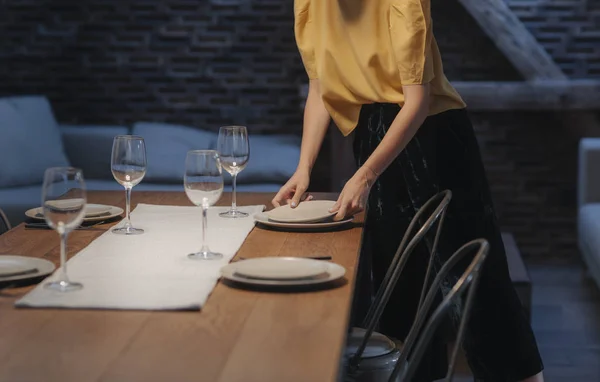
x: 566, y: 320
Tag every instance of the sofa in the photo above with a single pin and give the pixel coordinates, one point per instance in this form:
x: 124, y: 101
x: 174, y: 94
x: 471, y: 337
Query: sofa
x: 31, y: 140
x: 588, y: 203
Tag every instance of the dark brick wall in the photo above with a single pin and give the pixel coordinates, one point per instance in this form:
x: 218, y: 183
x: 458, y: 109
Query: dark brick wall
x: 204, y: 63
x: 568, y: 29
x: 211, y: 62
x: 531, y: 161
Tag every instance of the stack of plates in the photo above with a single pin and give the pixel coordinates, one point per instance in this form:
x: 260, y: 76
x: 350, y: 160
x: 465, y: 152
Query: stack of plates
x: 282, y: 271
x: 312, y: 214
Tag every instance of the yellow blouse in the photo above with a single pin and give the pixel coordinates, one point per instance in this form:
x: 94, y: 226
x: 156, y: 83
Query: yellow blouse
x: 363, y: 51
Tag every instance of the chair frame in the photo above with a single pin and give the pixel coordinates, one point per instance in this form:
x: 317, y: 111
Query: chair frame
x: 5, y: 220
x: 440, y: 201
x: 467, y: 282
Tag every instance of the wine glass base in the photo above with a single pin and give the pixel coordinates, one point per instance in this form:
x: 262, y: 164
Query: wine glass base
x: 207, y: 255
x: 233, y: 214
x: 63, y: 286
x: 128, y: 231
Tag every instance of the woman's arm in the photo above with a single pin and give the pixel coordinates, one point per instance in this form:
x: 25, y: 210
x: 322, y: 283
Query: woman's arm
x: 402, y: 130
x: 316, y: 122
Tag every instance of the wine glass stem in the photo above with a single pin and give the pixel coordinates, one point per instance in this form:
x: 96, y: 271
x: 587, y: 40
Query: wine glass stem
x: 233, y: 196
x: 204, y: 228
x: 127, y: 206
x: 63, y: 257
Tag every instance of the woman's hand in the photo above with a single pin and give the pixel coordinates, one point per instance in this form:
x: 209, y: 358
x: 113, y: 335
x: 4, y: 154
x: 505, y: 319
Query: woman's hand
x: 293, y: 192
x: 353, y: 198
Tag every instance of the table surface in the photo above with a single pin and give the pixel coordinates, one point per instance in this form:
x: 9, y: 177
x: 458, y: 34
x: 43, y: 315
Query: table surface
x: 239, y: 335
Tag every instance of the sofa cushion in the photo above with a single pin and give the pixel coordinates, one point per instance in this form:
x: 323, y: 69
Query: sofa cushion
x: 588, y: 226
x: 167, y: 146
x: 273, y: 159
x: 30, y: 141
x: 89, y: 147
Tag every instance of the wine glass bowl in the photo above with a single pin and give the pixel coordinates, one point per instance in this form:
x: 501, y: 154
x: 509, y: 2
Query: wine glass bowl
x: 203, y: 183
x: 63, y: 204
x: 234, y: 153
x: 128, y: 166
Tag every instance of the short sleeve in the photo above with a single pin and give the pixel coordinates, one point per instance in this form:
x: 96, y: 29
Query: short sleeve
x: 411, y: 34
x: 304, y: 32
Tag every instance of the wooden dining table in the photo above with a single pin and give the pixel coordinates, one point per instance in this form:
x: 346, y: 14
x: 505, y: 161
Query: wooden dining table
x: 240, y: 335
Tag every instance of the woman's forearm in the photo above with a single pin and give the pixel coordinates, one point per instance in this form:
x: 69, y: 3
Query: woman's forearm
x: 316, y: 122
x: 401, y: 131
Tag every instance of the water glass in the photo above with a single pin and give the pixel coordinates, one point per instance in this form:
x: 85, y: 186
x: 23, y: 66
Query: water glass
x: 128, y: 165
x: 234, y: 151
x: 63, y: 203
x: 203, y: 182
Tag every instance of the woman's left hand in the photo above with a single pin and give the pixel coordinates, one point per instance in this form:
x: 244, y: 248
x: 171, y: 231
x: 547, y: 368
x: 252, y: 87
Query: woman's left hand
x: 353, y: 198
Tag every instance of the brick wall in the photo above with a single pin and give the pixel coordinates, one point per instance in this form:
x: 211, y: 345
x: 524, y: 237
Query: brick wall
x: 204, y: 63
x: 211, y: 62
x: 568, y: 29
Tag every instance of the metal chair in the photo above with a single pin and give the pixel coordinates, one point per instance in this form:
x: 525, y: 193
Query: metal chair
x: 405, y: 359
x: 371, y: 352
x: 420, y: 336
x: 4, y: 223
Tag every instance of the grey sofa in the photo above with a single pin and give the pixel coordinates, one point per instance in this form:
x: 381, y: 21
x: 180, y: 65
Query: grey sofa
x: 31, y: 140
x: 588, y: 201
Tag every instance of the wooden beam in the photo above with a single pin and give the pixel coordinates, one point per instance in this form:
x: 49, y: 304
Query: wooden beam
x: 535, y: 95
x: 509, y: 34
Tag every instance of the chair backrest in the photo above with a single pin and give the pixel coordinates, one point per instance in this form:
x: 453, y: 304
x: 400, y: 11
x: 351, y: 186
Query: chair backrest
x: 432, y: 212
x: 421, y: 334
x: 4, y: 223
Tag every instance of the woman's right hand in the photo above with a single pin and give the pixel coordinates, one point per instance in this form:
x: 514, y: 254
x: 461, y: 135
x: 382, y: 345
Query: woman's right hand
x: 293, y: 192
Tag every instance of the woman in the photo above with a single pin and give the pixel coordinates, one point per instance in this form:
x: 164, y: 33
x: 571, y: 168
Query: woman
x: 375, y: 68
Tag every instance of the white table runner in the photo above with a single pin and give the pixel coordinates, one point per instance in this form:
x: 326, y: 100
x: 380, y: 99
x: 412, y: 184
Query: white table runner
x: 150, y: 271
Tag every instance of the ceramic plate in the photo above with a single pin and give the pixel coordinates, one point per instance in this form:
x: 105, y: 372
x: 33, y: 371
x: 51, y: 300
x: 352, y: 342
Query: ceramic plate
x: 306, y: 212
x: 331, y: 272
x: 280, y: 268
x: 262, y: 218
x: 94, y: 212
x: 16, y: 268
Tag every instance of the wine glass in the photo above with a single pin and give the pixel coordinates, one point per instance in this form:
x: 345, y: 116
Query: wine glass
x: 128, y: 165
x: 63, y: 205
x: 234, y: 152
x: 203, y: 181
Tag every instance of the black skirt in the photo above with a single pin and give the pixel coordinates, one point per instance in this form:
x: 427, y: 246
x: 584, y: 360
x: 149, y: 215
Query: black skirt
x: 444, y: 154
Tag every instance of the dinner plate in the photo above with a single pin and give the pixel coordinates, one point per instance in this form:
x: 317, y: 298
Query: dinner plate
x: 280, y: 268
x: 262, y: 218
x: 305, y: 212
x: 17, y: 268
x: 331, y: 272
x: 93, y: 212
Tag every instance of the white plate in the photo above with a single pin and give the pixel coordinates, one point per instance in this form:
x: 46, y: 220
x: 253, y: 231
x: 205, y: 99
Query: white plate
x: 305, y: 212
x: 99, y: 212
x: 94, y: 210
x: 280, y: 268
x: 8, y: 262
x: 262, y: 218
x: 331, y: 272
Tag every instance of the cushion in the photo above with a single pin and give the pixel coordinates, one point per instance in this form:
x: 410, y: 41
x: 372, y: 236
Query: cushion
x: 167, y: 146
x: 588, y: 226
x: 273, y: 159
x: 89, y: 147
x: 30, y: 141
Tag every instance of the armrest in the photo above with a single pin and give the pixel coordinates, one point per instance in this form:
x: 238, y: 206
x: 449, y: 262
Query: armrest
x: 588, y: 174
